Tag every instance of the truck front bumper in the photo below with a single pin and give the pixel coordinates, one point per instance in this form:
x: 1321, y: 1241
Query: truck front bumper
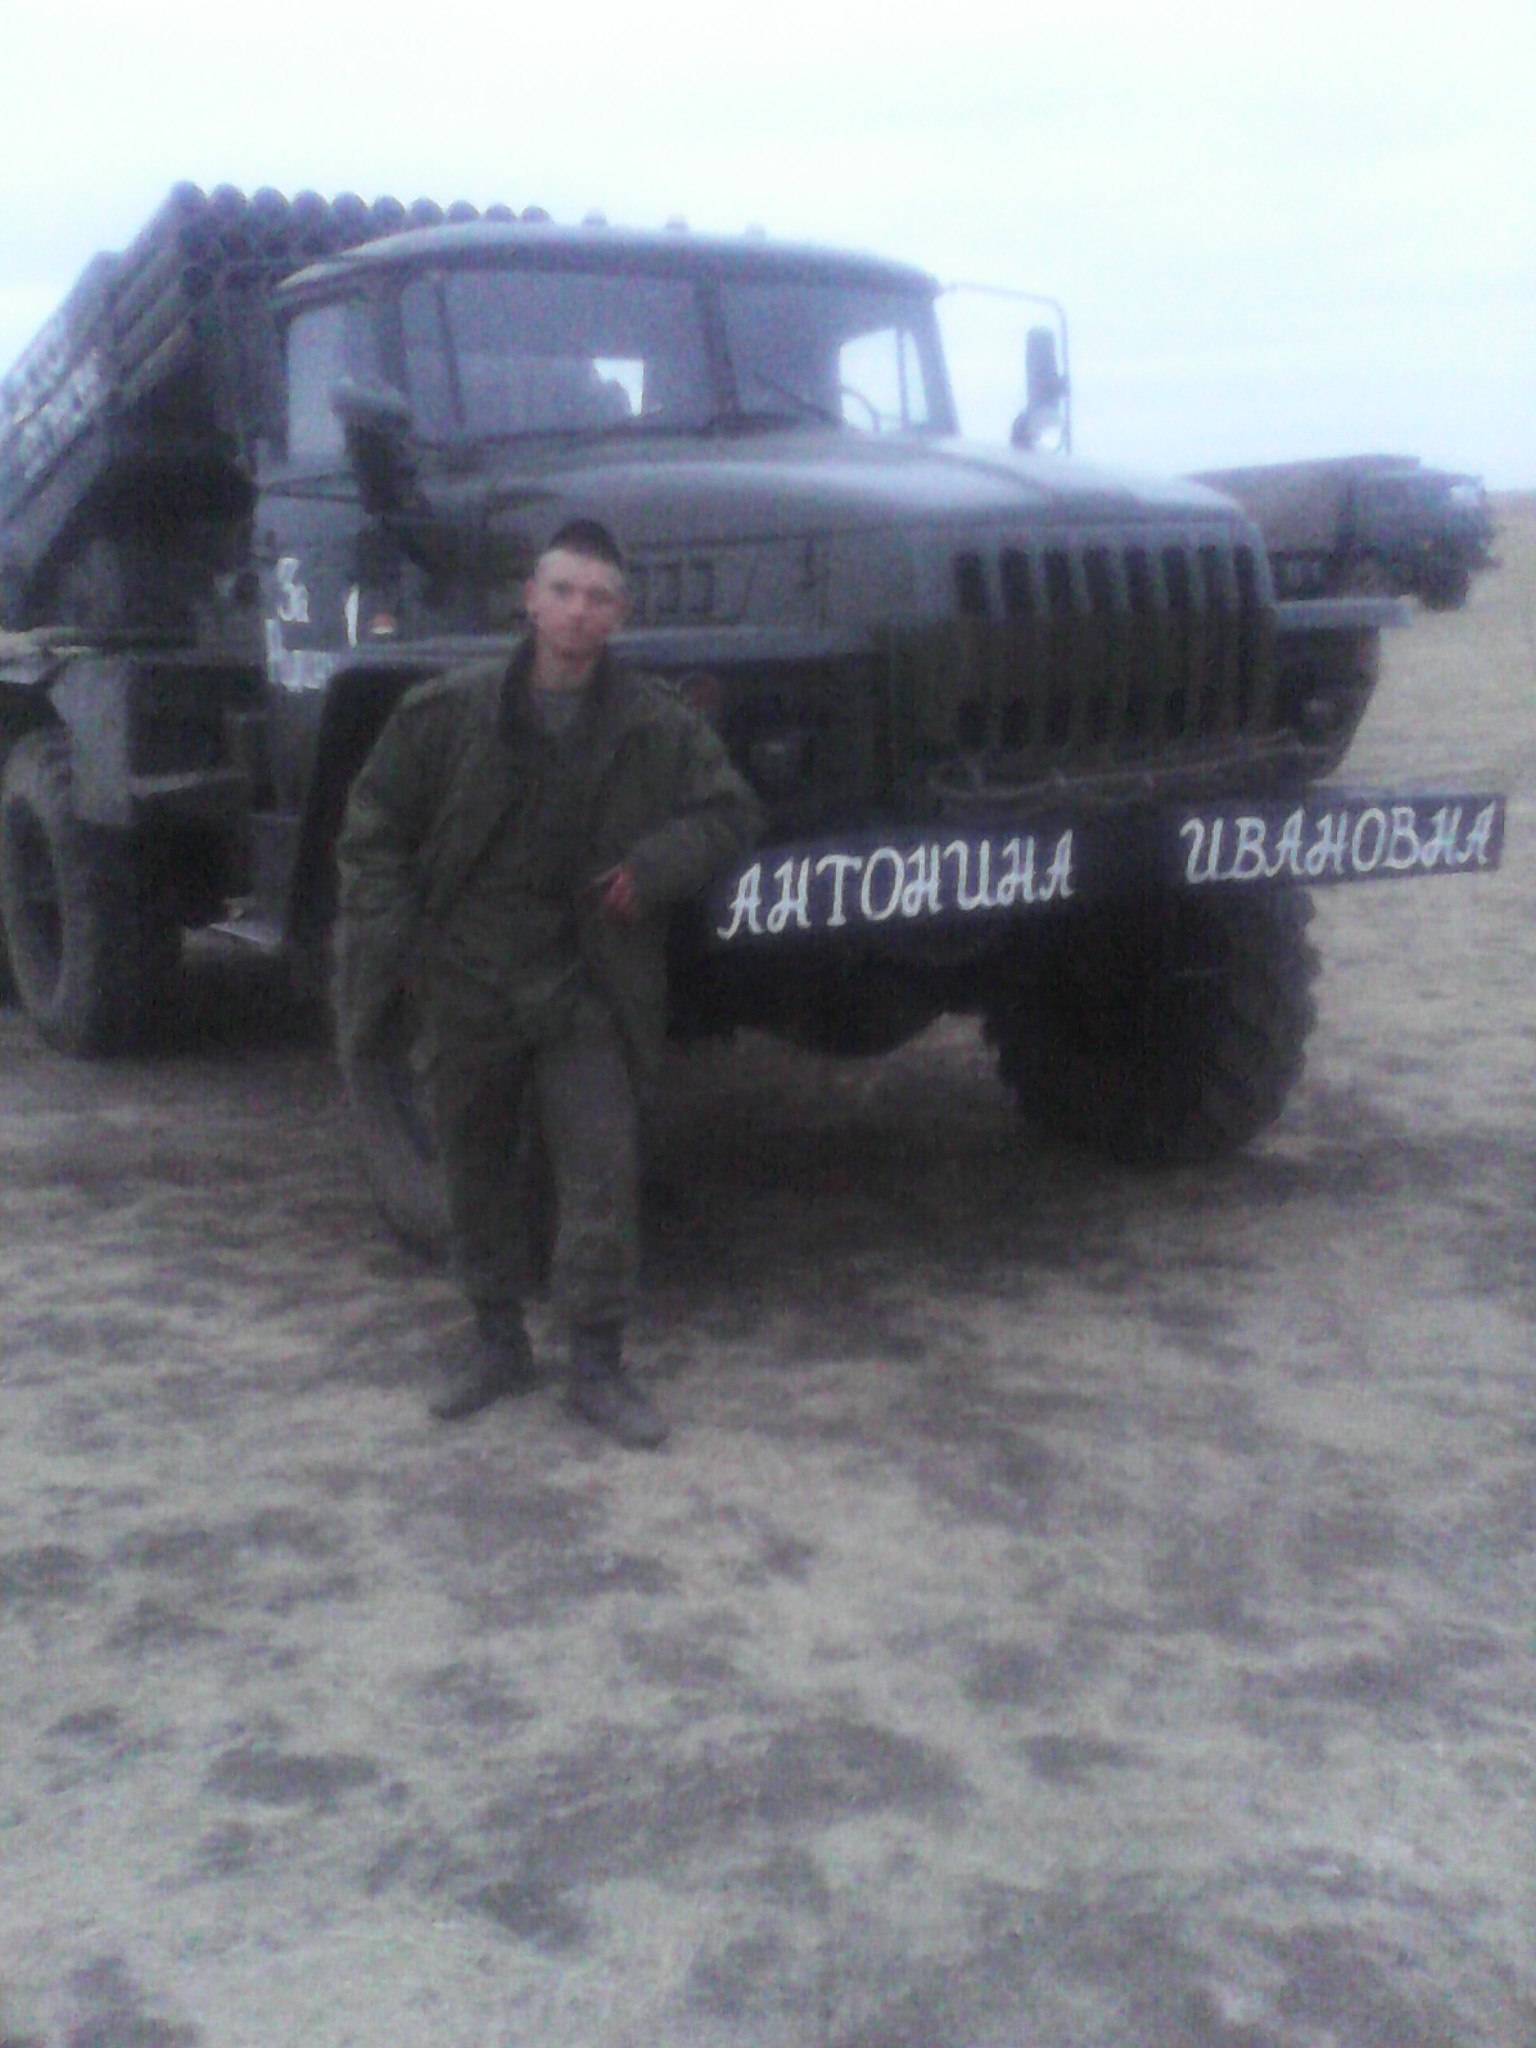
x: 892, y: 885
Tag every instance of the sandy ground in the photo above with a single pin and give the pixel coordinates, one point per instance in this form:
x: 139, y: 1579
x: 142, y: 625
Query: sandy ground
x: 1076, y: 1610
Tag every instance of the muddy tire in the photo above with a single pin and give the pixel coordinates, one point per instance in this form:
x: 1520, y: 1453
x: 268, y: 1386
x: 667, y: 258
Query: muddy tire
x: 89, y: 953
x: 1167, y: 1034
x: 392, y: 1125
x: 1445, y: 581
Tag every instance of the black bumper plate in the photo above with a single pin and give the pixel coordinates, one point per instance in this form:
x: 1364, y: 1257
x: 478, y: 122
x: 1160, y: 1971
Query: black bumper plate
x: 869, y: 883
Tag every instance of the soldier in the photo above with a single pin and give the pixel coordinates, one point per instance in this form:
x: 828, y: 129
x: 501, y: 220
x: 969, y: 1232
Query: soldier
x: 510, y: 852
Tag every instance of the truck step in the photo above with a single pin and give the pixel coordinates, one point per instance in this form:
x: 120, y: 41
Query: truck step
x: 249, y: 930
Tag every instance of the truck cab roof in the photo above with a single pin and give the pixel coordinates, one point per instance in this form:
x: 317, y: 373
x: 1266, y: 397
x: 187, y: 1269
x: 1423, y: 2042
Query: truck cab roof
x: 674, y: 251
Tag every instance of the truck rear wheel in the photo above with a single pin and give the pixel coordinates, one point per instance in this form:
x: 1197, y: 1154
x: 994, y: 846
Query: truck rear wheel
x: 90, y: 952
x: 1165, y: 1035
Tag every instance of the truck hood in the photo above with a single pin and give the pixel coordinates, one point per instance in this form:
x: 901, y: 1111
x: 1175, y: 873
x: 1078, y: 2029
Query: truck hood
x: 813, y: 480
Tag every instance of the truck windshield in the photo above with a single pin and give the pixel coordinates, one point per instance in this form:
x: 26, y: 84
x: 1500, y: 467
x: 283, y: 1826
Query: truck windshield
x: 862, y: 357
x: 500, y: 353
x: 493, y: 353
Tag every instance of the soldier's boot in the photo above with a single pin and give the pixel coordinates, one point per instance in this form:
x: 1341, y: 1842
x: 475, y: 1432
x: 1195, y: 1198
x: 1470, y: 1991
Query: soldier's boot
x: 602, y: 1392
x: 499, y: 1363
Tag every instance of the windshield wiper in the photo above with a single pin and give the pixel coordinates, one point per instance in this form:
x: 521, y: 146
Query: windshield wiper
x: 805, y: 407
x: 661, y: 419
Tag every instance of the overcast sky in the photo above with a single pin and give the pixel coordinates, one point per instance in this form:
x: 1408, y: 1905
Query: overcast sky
x: 1311, y: 235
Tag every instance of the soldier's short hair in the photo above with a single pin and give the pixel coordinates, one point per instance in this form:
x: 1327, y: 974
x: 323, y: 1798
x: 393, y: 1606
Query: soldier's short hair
x: 587, y: 537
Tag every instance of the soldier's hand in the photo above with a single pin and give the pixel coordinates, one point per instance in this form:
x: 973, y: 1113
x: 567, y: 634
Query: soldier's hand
x: 617, y: 897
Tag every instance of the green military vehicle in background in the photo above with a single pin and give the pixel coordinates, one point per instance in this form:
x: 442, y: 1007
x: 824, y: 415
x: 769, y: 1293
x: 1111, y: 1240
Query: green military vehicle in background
x: 1350, y: 523
x: 1037, y: 742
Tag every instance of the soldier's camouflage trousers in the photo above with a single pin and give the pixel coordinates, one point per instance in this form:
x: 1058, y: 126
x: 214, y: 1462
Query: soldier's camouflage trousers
x: 578, y: 1087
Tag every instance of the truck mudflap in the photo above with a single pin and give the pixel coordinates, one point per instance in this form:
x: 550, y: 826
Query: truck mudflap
x: 889, y: 884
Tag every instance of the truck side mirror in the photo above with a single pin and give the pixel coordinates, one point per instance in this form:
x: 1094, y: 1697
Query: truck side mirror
x: 1045, y: 391
x: 376, y: 420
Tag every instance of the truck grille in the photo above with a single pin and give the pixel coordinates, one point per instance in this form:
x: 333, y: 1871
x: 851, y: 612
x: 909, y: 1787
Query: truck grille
x: 1088, y: 654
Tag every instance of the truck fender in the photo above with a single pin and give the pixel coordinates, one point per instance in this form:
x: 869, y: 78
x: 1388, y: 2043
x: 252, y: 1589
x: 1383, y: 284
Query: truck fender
x: 357, y: 705
x: 86, y: 694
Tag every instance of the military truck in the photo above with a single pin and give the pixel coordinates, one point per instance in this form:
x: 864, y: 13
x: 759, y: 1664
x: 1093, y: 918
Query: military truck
x: 1037, y: 742
x: 1367, y: 522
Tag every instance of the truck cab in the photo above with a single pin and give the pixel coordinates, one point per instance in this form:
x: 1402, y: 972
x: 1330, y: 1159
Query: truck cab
x: 886, y: 622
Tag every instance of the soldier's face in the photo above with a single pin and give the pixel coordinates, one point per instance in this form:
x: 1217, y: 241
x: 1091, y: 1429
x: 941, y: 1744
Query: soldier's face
x: 573, y: 604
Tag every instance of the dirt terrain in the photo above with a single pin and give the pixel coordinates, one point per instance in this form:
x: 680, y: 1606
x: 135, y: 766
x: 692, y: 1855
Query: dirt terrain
x: 1076, y: 1610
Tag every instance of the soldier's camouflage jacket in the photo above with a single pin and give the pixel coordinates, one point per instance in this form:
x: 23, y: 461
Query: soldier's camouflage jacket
x: 457, y: 766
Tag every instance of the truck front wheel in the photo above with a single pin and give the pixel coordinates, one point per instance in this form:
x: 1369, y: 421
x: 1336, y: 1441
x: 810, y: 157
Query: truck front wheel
x: 1444, y: 580
x: 392, y: 1123
x: 395, y: 1139
x: 90, y: 951
x: 1163, y: 1034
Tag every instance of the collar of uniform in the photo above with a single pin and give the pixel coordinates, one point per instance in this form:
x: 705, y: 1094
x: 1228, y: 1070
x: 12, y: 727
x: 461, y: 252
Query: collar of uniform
x: 517, y: 712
